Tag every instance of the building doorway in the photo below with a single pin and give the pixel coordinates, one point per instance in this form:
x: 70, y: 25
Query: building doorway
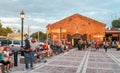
x: 76, y: 38
x: 112, y: 37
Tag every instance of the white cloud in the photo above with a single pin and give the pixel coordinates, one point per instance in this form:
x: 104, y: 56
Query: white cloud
x: 39, y: 13
x: 37, y: 28
x: 40, y: 20
x: 9, y: 19
x: 14, y: 0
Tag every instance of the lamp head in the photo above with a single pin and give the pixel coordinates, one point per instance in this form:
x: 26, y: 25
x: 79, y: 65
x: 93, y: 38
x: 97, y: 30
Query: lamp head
x: 22, y: 15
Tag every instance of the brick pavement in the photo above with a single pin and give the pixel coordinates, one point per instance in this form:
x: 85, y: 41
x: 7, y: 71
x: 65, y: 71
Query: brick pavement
x: 76, y: 61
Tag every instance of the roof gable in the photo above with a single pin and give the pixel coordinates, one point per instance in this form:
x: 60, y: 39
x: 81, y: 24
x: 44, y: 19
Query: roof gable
x: 73, y: 18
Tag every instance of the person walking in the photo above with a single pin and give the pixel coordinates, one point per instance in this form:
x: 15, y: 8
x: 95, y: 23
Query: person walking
x: 106, y: 46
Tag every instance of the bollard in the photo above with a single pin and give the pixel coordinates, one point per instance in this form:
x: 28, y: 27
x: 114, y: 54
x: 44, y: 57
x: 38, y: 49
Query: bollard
x: 15, y: 58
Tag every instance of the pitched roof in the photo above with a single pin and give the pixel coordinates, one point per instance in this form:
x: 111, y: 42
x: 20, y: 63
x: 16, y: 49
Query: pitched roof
x: 70, y: 18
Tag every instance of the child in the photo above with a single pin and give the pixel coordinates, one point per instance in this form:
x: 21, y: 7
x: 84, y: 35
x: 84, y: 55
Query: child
x: 4, y: 60
x: 8, y: 54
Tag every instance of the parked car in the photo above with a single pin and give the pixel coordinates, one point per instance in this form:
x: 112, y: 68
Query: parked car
x: 15, y: 45
x: 5, y: 42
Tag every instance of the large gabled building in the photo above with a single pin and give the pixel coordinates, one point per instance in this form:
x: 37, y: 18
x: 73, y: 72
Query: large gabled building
x: 74, y: 27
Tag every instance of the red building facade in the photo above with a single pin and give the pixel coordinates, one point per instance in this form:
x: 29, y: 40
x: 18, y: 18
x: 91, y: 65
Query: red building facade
x: 74, y: 27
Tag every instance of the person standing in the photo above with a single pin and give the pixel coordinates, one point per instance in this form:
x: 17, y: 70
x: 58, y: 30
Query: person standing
x: 80, y: 44
x: 26, y: 50
x: 33, y: 49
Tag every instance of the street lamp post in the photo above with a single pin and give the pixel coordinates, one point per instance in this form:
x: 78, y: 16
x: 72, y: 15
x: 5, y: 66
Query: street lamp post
x: 22, y: 14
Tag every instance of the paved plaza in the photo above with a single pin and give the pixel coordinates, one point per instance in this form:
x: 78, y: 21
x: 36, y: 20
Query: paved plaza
x: 76, y: 61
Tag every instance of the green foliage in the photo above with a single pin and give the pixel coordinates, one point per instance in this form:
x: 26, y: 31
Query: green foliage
x: 42, y: 36
x: 26, y: 35
x: 116, y: 23
x: 4, y: 31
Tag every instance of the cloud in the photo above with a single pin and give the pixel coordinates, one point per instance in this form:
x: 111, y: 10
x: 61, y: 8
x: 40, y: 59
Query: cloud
x: 39, y: 20
x: 39, y: 13
x: 9, y: 19
x: 36, y: 29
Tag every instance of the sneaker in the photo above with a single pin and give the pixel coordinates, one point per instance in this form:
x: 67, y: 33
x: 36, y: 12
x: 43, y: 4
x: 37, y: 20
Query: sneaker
x: 25, y: 69
x: 39, y: 60
x: 8, y: 71
x: 13, y: 69
x: 5, y: 71
x: 32, y: 68
x: 45, y: 61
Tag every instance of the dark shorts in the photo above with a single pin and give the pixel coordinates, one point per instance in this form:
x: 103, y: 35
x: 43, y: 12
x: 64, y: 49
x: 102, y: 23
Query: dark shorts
x: 4, y: 63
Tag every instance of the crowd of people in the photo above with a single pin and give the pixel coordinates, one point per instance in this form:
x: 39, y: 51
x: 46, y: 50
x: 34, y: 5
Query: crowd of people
x: 32, y: 49
x: 95, y: 45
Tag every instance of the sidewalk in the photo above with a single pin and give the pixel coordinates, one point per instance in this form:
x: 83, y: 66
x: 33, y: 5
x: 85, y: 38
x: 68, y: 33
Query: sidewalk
x: 76, y: 61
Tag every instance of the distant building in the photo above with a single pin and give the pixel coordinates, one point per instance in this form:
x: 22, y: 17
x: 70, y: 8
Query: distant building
x: 14, y: 35
x: 75, y: 27
x: 112, y: 34
x: 3, y: 37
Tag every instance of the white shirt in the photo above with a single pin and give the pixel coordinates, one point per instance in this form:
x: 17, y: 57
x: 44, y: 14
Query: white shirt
x: 7, y: 53
x: 32, y: 46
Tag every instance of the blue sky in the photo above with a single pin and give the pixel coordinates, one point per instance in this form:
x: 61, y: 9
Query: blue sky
x: 39, y: 13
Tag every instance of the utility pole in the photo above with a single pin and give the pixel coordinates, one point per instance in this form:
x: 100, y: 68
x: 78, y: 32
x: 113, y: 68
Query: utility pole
x: 38, y: 36
x: 28, y: 31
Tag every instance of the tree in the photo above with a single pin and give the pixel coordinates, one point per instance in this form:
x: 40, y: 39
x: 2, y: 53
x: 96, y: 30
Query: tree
x: 26, y: 35
x: 42, y: 36
x: 8, y: 30
x: 116, y: 23
x: 4, y: 31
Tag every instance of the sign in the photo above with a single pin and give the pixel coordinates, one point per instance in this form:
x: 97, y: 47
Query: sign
x: 115, y: 35
x: 59, y: 31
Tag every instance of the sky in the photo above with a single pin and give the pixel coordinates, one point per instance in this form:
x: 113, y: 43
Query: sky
x: 39, y: 13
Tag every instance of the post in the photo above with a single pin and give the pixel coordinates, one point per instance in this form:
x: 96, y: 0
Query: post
x: 28, y: 31
x: 38, y: 36
x: 22, y: 14
x: 22, y: 33
x: 60, y: 33
x: 119, y: 37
